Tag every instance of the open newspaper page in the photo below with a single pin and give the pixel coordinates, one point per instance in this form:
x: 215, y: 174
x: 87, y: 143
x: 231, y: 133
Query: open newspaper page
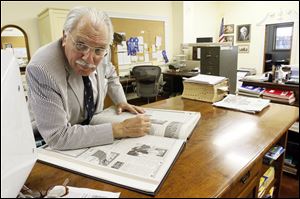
x: 241, y: 103
x: 165, y: 123
x: 139, y: 163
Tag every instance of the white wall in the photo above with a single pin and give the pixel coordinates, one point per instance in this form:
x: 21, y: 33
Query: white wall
x: 201, y: 19
x: 204, y: 19
x: 178, y: 28
x: 186, y: 21
x: 24, y: 14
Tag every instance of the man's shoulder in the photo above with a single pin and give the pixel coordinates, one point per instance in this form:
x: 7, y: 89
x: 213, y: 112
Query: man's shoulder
x: 49, y: 53
x: 50, y: 57
x: 50, y: 61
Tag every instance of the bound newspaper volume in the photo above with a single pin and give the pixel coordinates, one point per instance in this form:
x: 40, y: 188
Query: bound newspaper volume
x: 206, y: 88
x: 140, y: 164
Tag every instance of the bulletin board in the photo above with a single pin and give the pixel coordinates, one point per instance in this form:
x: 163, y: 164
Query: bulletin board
x: 148, y: 29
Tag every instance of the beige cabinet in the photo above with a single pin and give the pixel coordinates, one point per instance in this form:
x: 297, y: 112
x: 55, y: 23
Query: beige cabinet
x: 51, y: 22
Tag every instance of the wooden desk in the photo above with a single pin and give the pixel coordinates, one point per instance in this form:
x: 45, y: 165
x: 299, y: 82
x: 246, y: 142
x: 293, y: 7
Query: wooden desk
x: 225, y: 147
x: 174, y: 81
x: 272, y: 85
x: 126, y: 80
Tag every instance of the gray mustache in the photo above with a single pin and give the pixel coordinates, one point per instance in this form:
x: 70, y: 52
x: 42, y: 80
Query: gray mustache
x: 84, y: 64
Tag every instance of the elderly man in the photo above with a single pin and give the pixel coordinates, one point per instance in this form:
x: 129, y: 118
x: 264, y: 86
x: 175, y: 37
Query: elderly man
x: 68, y: 81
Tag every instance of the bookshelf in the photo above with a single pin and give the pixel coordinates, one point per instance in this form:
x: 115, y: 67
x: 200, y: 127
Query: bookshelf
x: 291, y: 161
x: 272, y: 85
x: 278, y: 168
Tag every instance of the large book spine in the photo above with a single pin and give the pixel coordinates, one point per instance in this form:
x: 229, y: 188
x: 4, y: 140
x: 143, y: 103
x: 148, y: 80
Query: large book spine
x: 204, y: 92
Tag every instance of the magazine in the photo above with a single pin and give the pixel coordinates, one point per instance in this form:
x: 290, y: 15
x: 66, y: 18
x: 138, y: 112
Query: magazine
x: 251, y: 89
x: 140, y: 164
x: 279, y: 93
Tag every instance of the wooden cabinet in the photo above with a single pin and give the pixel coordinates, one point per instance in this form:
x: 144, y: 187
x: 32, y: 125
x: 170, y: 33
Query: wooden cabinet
x: 246, y: 184
x: 50, y: 23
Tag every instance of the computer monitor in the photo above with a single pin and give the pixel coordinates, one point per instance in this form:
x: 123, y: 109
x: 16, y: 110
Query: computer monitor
x: 204, y: 39
x: 18, y: 153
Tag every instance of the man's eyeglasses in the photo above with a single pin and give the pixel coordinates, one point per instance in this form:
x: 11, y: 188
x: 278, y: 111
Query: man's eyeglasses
x: 84, y: 48
x: 52, y: 192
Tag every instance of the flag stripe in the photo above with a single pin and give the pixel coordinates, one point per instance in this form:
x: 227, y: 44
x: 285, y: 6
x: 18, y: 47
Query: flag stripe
x: 221, y: 34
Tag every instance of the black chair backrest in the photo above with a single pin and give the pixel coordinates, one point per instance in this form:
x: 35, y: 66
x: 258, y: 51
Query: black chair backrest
x: 147, y: 80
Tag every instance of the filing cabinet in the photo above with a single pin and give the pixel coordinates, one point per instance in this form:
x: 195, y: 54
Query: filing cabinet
x: 220, y: 61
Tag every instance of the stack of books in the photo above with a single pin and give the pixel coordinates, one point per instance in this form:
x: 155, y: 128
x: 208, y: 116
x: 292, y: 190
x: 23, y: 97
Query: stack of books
x: 273, y: 154
x: 277, y: 95
x: 251, y: 91
x: 206, y: 88
x: 265, y: 181
x: 290, y: 164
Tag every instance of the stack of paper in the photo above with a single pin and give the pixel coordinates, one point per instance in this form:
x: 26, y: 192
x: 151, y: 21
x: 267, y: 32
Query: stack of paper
x: 241, y: 103
x: 206, y: 79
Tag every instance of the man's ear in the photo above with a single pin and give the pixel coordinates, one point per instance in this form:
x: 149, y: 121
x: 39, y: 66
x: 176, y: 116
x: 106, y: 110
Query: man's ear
x: 64, y: 39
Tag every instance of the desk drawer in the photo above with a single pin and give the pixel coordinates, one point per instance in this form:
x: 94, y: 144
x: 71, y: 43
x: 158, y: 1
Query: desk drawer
x: 244, y: 181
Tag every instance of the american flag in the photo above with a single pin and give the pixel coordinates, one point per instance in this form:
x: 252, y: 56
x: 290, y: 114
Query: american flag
x: 221, y: 35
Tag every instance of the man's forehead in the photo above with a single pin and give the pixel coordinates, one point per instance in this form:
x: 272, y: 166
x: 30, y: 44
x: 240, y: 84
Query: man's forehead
x: 91, y: 32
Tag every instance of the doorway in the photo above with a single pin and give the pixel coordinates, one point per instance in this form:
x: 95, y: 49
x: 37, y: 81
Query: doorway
x: 278, y: 45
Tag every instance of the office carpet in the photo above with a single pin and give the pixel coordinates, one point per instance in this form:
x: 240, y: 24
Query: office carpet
x: 289, y: 186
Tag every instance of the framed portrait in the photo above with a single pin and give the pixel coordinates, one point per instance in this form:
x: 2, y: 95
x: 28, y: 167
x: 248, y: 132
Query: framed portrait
x: 229, y: 28
x: 243, y: 49
x: 243, y: 33
x: 229, y: 38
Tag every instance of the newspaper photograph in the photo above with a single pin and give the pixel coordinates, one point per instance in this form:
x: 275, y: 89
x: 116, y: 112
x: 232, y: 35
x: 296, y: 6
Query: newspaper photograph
x: 132, y: 156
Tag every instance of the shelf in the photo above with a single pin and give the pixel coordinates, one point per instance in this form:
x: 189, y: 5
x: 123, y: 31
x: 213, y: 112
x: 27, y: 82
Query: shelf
x: 295, y: 127
x: 290, y: 169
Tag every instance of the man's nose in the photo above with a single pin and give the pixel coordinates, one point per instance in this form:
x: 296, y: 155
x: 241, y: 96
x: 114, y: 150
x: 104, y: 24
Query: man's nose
x: 88, y: 56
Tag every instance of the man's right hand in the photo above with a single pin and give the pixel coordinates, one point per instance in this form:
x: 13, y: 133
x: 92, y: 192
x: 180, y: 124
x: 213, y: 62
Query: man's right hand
x: 133, y: 127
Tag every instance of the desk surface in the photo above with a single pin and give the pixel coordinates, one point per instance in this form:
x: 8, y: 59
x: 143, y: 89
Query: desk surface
x: 223, y: 145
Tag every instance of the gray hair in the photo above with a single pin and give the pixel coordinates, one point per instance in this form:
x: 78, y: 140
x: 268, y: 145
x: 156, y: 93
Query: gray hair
x: 97, y: 17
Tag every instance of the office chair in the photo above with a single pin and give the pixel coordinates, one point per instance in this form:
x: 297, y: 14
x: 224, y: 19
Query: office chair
x: 147, y: 80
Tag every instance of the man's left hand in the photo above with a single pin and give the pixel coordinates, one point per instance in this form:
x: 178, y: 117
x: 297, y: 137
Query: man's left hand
x: 129, y: 107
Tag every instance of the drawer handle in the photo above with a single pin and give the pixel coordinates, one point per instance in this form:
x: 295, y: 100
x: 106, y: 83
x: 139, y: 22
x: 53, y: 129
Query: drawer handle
x: 245, y: 177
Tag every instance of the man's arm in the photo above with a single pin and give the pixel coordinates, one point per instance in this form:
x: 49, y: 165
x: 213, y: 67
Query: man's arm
x: 116, y: 92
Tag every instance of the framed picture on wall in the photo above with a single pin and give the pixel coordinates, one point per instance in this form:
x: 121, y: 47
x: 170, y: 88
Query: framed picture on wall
x: 243, y: 49
x: 229, y: 28
x: 229, y: 38
x: 243, y: 33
